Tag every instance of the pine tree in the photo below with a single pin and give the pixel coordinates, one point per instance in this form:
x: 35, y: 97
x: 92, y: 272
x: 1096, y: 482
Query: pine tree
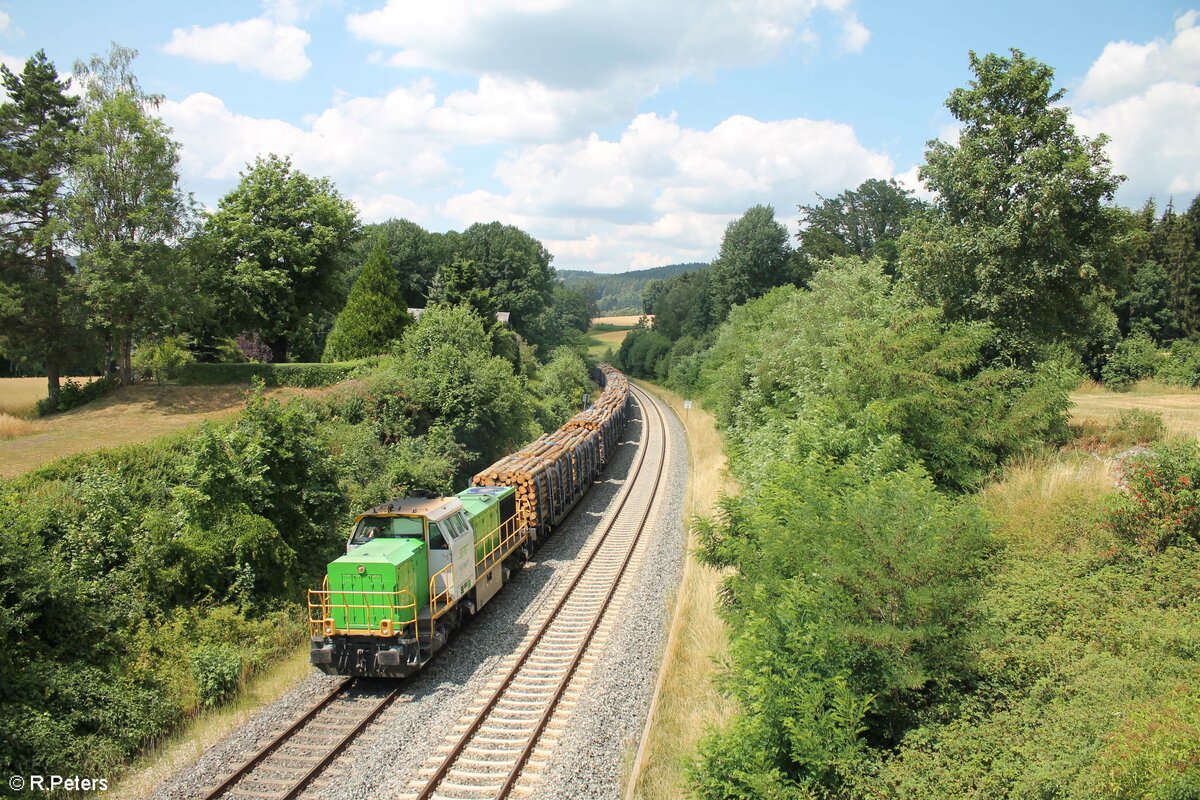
x: 374, y: 315
x: 37, y: 309
x: 1177, y: 253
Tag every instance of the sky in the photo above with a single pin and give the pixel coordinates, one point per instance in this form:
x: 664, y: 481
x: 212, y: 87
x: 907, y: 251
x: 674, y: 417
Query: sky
x: 623, y: 134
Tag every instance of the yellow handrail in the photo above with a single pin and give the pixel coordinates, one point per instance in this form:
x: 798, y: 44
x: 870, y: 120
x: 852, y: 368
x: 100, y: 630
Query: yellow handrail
x: 322, y: 623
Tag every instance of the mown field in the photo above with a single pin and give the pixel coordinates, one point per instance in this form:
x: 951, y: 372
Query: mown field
x: 608, y: 333
x: 130, y: 415
x: 1179, y: 407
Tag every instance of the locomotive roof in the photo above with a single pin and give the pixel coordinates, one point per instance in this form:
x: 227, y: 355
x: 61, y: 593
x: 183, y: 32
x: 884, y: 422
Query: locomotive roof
x: 435, y: 508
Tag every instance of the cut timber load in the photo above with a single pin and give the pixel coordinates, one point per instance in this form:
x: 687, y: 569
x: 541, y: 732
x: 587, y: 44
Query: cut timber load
x: 551, y: 473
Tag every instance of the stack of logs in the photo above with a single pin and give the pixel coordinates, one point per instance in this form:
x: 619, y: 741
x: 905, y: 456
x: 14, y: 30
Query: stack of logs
x: 525, y: 470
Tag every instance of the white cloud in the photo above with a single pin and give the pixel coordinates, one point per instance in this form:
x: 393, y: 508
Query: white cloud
x: 1146, y: 97
x: 663, y: 192
x: 5, y: 21
x: 264, y: 45
x: 1126, y: 68
x: 854, y: 35
x: 583, y: 44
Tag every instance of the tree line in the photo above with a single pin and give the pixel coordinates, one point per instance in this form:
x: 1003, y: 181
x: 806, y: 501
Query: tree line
x: 103, y: 252
x: 1021, y: 235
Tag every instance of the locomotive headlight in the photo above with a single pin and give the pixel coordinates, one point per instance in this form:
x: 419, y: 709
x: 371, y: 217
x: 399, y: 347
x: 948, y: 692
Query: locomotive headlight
x: 361, y: 569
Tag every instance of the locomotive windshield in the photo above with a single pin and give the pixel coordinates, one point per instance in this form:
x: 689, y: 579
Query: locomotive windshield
x: 369, y: 528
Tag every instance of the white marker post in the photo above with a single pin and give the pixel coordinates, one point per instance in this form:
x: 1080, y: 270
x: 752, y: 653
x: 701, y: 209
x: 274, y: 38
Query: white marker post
x: 687, y: 406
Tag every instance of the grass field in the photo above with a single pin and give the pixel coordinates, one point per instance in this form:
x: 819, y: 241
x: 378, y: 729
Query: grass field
x: 128, y: 415
x: 688, y: 705
x: 19, y: 396
x: 1179, y: 407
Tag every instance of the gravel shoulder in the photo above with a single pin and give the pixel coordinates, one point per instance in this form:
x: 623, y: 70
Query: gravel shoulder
x: 383, y: 760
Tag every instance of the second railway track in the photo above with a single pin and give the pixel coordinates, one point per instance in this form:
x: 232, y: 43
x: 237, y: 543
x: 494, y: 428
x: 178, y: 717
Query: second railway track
x: 494, y: 744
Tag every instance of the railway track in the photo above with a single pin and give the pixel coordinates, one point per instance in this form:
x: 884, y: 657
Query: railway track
x: 293, y: 759
x: 493, y: 746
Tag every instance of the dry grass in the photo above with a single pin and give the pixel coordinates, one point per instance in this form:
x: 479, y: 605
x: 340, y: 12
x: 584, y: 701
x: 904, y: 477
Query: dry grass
x: 1179, y: 407
x: 605, y: 340
x: 129, y: 415
x: 1050, y: 503
x: 688, y: 705
x: 12, y: 427
x: 187, y: 744
x: 19, y: 396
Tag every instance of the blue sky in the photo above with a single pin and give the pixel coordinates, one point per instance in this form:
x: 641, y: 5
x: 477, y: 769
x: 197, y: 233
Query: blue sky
x: 623, y: 134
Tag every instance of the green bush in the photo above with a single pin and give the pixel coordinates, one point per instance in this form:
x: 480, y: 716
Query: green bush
x: 299, y: 375
x: 1133, y: 359
x: 1182, y: 366
x: 72, y: 394
x: 216, y: 671
x: 1160, y: 506
x: 1135, y: 426
x: 162, y: 360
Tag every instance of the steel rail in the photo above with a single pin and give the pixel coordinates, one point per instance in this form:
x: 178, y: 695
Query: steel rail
x: 246, y: 769
x: 448, y: 761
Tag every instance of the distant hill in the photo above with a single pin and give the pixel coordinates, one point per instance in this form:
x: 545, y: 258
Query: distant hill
x: 621, y: 292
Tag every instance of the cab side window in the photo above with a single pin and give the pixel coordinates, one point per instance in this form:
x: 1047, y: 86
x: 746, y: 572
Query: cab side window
x: 437, y: 540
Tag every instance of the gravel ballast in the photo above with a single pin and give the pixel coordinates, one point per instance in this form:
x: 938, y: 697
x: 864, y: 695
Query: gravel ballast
x: 603, y: 729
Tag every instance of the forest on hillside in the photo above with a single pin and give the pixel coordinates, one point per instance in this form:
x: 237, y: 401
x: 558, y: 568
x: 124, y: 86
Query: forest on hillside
x: 620, y: 294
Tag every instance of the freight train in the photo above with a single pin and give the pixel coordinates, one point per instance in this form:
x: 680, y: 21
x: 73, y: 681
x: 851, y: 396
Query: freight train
x: 417, y: 567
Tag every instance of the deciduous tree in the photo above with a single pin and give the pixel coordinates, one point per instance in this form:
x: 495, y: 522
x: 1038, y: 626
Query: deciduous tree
x: 1018, y: 222
x: 127, y: 208
x: 279, y: 234
x: 754, y: 257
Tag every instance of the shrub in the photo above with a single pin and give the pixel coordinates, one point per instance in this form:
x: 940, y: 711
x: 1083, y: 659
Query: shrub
x: 300, y: 375
x: 159, y: 360
x: 1133, y: 359
x: 1159, y: 506
x: 73, y: 394
x: 216, y: 669
x: 1135, y: 426
x: 1182, y: 366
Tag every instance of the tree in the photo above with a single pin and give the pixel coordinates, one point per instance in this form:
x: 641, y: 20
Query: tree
x: 127, y: 208
x: 461, y: 282
x: 413, y: 252
x: 865, y: 222
x: 279, y: 234
x: 37, y: 123
x: 375, y: 313
x: 516, y: 268
x: 1018, y: 222
x: 754, y: 257
x: 1175, y: 249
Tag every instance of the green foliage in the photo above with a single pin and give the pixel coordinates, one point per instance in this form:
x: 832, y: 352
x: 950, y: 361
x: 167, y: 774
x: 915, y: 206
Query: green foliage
x: 413, y: 252
x: 445, y: 368
x: 864, y: 222
x: 216, y: 670
x: 856, y: 360
x: 302, y: 375
x: 1017, y: 232
x: 560, y: 387
x: 851, y: 608
x: 127, y: 208
x: 1182, y: 366
x: 516, y: 269
x: 74, y: 394
x: 754, y: 257
x: 162, y: 360
x: 39, y: 319
x: 1158, y: 508
x: 278, y: 237
x: 375, y: 314
x: 1135, y: 426
x: 620, y: 294
x: 643, y: 354
x: 1132, y: 360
